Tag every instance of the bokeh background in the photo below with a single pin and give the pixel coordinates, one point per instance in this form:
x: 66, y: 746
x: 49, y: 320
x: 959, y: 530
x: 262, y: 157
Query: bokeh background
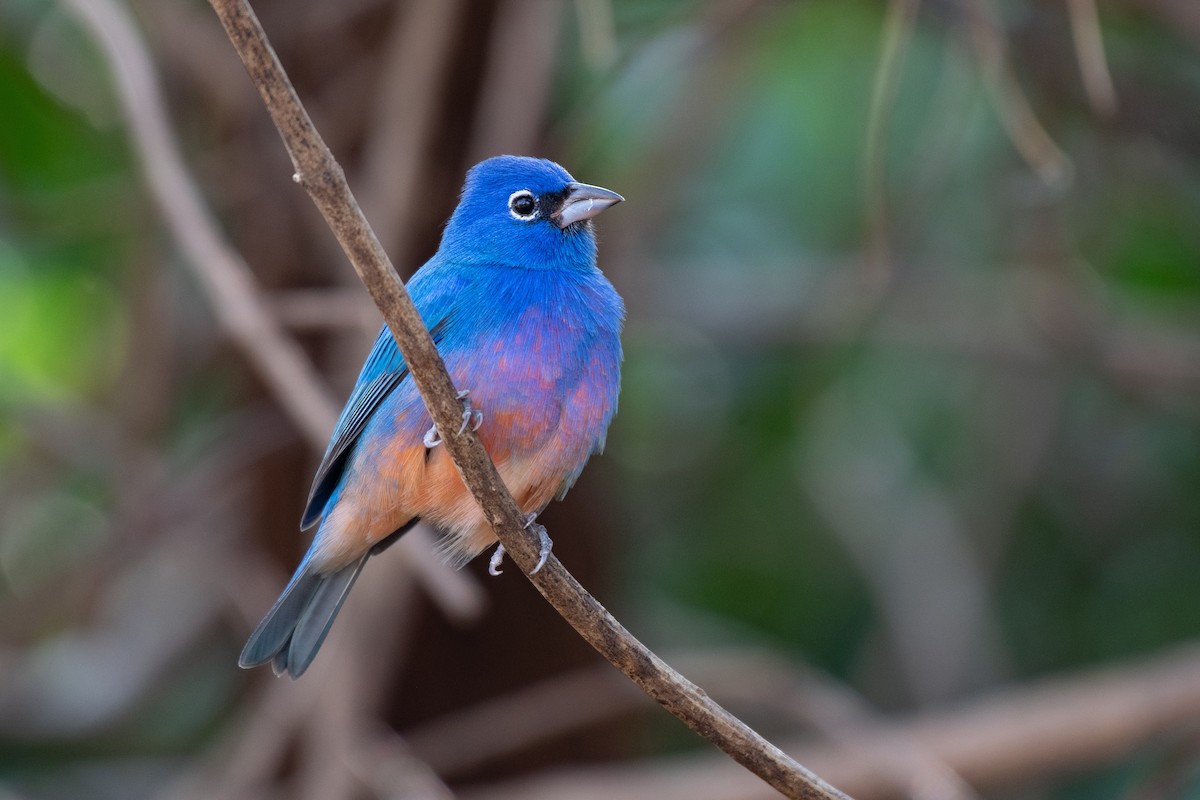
x: 906, y: 465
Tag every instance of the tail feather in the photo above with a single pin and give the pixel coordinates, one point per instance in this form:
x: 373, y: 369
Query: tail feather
x: 292, y: 631
x: 312, y: 628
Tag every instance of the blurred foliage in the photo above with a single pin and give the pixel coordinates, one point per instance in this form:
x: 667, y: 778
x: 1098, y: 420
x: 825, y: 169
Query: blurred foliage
x: 58, y: 260
x: 1000, y: 434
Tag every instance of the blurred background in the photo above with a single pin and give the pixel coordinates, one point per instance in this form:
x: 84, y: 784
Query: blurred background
x: 905, y: 469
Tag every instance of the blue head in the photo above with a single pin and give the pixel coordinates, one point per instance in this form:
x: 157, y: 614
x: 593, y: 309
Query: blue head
x: 524, y: 212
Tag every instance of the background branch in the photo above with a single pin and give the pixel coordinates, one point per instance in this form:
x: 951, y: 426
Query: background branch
x: 1001, y: 741
x: 217, y: 267
x: 319, y: 173
x: 232, y: 289
x: 938, y: 493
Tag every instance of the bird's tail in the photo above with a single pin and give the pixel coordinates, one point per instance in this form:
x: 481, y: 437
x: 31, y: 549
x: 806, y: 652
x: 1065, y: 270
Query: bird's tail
x: 293, y: 630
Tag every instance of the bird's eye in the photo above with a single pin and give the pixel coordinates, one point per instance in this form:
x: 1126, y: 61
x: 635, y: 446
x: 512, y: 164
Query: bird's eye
x: 522, y: 205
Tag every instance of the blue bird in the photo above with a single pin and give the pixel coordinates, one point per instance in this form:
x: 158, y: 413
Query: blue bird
x: 529, y: 329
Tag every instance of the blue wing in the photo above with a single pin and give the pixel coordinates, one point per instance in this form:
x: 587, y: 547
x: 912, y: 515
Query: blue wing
x: 383, y: 371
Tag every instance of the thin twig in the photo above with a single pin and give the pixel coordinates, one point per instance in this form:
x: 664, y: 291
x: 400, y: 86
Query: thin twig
x: 897, y: 32
x: 1089, y: 50
x: 1024, y: 130
x: 318, y: 172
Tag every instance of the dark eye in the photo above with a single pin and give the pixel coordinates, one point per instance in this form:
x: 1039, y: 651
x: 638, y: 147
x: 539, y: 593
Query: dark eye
x: 522, y: 204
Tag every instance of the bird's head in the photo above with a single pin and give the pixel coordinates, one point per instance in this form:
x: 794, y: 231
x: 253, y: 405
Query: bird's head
x: 525, y: 212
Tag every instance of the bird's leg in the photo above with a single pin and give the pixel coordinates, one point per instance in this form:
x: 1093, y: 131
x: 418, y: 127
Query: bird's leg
x: 470, y: 416
x: 545, y: 545
x: 431, y: 439
x: 497, y: 560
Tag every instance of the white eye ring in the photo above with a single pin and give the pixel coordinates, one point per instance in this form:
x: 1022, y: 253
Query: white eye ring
x: 516, y: 196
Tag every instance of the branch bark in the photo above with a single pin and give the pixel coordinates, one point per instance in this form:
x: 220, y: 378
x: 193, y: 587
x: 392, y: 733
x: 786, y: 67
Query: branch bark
x: 319, y: 173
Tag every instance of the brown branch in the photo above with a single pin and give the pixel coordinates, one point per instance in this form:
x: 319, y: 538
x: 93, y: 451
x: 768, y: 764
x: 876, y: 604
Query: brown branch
x: 1024, y: 130
x: 1089, y: 51
x: 318, y: 172
x: 1004, y: 741
x: 877, y: 262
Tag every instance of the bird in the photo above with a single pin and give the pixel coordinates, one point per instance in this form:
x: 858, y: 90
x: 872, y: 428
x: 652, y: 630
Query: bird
x: 529, y: 329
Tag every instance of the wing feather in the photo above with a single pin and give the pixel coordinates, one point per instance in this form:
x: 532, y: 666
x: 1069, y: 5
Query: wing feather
x: 383, y: 371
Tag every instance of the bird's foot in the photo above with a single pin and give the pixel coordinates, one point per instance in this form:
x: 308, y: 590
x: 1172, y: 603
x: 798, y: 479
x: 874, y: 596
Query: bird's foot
x: 431, y: 439
x: 470, y: 416
x: 497, y: 560
x: 545, y: 545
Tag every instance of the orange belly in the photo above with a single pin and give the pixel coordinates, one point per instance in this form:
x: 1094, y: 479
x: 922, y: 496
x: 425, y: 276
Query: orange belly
x: 407, y: 484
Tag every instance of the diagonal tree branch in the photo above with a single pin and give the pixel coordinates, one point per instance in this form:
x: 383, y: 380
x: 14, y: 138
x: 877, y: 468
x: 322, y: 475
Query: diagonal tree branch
x: 318, y: 172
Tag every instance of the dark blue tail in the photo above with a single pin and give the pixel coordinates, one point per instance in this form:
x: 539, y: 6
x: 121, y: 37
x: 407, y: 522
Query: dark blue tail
x: 291, y: 633
x: 293, y: 630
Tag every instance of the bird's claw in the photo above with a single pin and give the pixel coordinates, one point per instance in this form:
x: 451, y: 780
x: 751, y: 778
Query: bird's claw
x: 431, y: 439
x: 470, y: 416
x: 545, y: 545
x: 497, y: 560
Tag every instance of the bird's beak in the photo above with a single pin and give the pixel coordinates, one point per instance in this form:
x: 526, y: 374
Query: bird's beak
x: 583, y: 202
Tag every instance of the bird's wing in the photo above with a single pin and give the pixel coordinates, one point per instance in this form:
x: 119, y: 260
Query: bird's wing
x: 383, y: 371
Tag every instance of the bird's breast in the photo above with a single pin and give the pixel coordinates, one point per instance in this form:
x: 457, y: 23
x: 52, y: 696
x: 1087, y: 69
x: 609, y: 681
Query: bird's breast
x: 519, y: 376
x: 528, y: 344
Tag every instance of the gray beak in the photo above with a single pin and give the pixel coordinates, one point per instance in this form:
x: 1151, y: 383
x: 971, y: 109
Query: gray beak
x: 583, y: 202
